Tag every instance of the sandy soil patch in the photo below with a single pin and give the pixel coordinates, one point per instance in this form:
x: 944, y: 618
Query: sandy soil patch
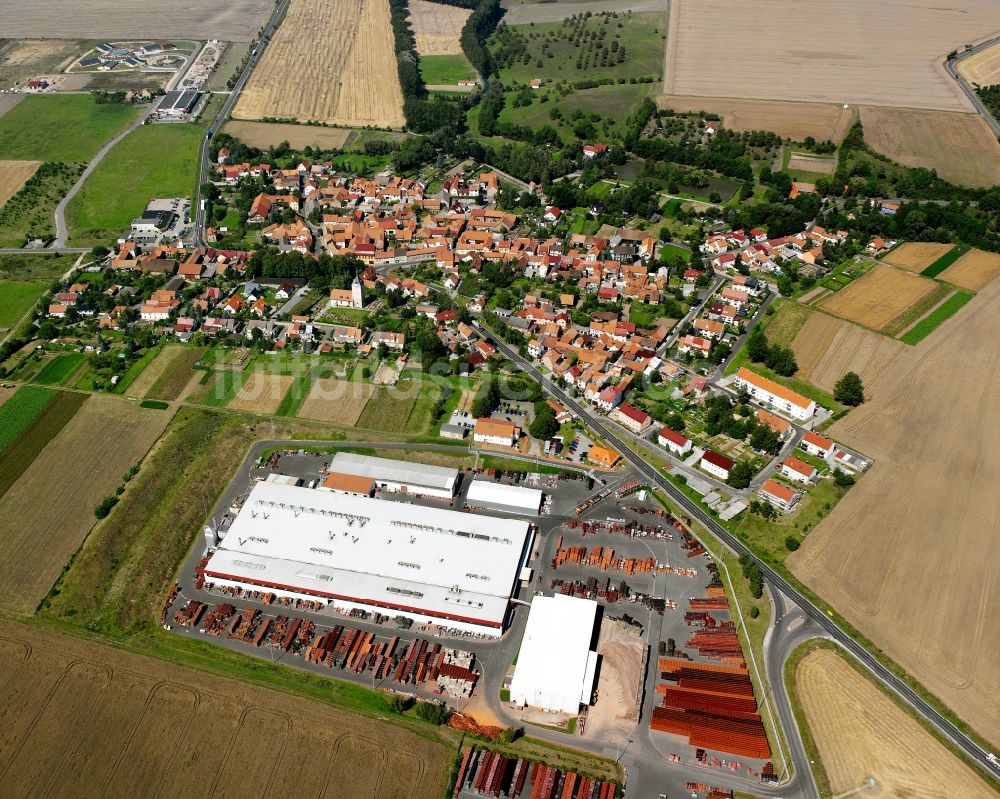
x: 351, y: 77
x: 826, y: 348
x: 13, y: 175
x: 911, y: 555
x: 961, y: 147
x: 437, y: 27
x: 81, y: 719
x: 337, y: 401
x: 523, y: 12
x: 262, y: 393
x: 879, y: 297
x: 77, y: 469
x: 234, y: 20
x: 916, y: 256
x: 266, y: 134
x: 983, y: 68
x: 615, y: 710
x: 838, y: 67
x: 973, y: 270
x: 812, y: 163
x: 861, y: 733
x: 791, y: 120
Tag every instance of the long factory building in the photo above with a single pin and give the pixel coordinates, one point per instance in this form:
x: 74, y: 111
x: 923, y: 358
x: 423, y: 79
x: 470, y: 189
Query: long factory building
x: 433, y: 565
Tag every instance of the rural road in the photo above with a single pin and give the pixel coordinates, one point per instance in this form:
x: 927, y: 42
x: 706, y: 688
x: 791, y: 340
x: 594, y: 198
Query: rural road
x: 61, y: 230
x: 952, y: 66
x: 830, y: 628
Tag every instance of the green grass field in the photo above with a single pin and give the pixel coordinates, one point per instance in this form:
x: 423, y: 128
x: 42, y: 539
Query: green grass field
x: 387, y: 412
x: 613, y: 102
x: 31, y: 267
x: 16, y: 299
x: 445, y: 70
x: 152, y: 161
x: 933, y: 320
x: 17, y: 413
x: 60, y: 127
x: 59, y: 369
x: 945, y: 261
x: 172, y: 382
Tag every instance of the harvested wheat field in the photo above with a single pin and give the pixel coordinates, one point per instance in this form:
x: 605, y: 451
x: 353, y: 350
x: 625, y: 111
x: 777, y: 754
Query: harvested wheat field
x: 337, y: 401
x: 924, y: 517
x: 877, y: 298
x: 983, y: 68
x: 228, y: 20
x: 77, y: 469
x: 791, y: 120
x: 916, y: 256
x: 973, y: 270
x: 826, y: 348
x: 351, y: 77
x: 437, y: 27
x: 961, y: 147
x: 268, y: 134
x: 81, y: 719
x: 13, y: 175
x: 861, y: 733
x: 261, y: 393
x: 848, y: 65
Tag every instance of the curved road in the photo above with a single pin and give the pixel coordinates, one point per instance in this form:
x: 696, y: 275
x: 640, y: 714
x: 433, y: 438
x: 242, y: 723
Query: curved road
x: 951, y: 65
x: 828, y: 626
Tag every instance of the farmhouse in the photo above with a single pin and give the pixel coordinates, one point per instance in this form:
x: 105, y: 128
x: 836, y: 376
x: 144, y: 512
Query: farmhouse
x: 556, y: 666
x: 496, y: 431
x: 797, y: 470
x: 437, y: 566
x: 403, y: 476
x: 774, y: 394
x: 505, y: 498
x: 779, y: 496
x: 815, y: 444
x: 677, y: 444
x: 716, y: 465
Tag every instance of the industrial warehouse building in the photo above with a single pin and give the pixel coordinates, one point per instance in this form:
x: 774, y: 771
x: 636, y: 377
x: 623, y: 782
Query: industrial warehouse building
x: 412, y: 478
x: 505, y: 498
x: 177, y: 104
x: 556, y: 666
x: 433, y: 565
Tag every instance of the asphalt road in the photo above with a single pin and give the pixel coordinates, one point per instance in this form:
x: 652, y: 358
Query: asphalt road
x: 828, y: 626
x: 952, y: 66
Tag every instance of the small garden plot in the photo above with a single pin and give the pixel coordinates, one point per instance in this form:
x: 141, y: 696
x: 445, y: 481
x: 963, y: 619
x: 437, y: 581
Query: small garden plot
x: 261, y: 392
x: 337, y: 401
x: 879, y: 298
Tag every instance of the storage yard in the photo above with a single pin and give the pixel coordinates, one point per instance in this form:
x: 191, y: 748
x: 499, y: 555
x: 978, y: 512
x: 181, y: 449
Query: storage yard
x: 80, y: 719
x: 933, y: 447
x: 879, y: 297
x: 861, y: 734
x: 482, y: 772
x: 351, y: 77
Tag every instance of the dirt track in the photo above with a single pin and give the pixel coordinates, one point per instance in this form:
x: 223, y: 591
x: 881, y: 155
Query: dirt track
x: 911, y: 555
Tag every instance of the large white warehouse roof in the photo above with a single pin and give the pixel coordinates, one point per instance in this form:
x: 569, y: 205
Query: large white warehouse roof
x: 515, y: 498
x: 388, y: 554
x: 555, y: 667
x: 402, y: 472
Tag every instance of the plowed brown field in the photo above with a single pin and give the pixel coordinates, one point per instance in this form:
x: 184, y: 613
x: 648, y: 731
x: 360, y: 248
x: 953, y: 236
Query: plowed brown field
x: 262, y: 393
x: 911, y: 555
x: 860, y: 734
x: 973, y: 270
x: 916, y: 256
x: 330, y: 61
x: 13, y: 175
x: 877, y: 298
x: 81, y: 719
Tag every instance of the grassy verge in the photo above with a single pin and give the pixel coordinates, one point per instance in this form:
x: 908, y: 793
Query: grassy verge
x: 914, y: 312
x: 945, y: 261
x: 935, y: 318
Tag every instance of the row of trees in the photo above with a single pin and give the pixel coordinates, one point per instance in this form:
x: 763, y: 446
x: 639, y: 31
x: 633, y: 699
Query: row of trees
x: 775, y: 357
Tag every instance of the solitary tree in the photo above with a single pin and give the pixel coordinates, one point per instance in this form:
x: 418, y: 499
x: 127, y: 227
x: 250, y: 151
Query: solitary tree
x: 740, y: 475
x: 849, y: 390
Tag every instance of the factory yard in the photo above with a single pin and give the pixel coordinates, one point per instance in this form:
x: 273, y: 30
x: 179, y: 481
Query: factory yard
x: 919, y: 519
x: 237, y: 20
x: 909, y: 63
x: 862, y: 734
x: 437, y: 27
x: 879, y: 297
x: 81, y: 719
x: 351, y: 77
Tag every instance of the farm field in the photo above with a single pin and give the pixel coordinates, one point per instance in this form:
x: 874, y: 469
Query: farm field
x: 20, y: 410
x: 59, y: 127
x: 13, y: 175
x: 524, y: 12
x: 861, y: 733
x: 351, y: 79
x: 22, y: 59
x: 916, y: 256
x: 338, y: 401
x: 909, y: 63
x: 16, y: 299
x: 445, y: 70
x: 389, y: 408
x: 237, y: 20
x: 822, y: 121
x: 983, y: 67
x: 436, y: 28
x: 167, y: 374
x: 8, y: 101
x: 74, y: 472
x: 60, y: 369
x: 885, y: 536
x: 804, y: 162
x: 973, y: 270
x: 961, y: 147
x: 261, y: 392
x: 269, y: 134
x: 154, y: 161
x: 826, y: 348
x: 879, y: 297
x: 80, y: 718
x: 943, y: 312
